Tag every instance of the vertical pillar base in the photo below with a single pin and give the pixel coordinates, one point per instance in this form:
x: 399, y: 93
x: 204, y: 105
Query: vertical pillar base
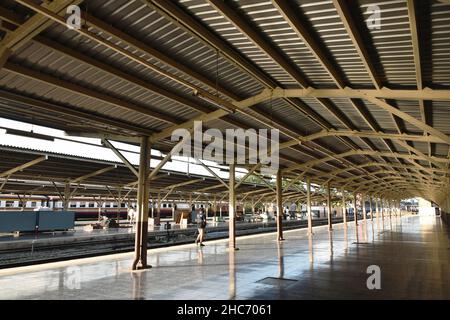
x: 140, y: 257
x: 232, y: 209
x: 279, y: 206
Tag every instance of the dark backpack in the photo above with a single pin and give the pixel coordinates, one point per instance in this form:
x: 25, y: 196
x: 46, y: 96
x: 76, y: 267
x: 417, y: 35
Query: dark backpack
x: 202, y: 221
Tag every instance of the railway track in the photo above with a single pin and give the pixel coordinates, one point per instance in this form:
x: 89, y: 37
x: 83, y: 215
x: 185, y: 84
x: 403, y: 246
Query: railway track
x: 35, y: 252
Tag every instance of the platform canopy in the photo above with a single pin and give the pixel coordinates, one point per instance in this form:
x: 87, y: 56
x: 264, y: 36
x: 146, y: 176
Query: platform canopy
x: 360, y: 102
x: 27, y: 172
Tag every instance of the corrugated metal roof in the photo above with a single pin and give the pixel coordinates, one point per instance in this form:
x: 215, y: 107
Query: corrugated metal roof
x: 390, y: 50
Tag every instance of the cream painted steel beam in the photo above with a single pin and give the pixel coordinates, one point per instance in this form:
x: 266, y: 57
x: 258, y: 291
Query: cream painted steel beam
x: 121, y: 157
x: 93, y: 174
x: 35, y: 25
x: 369, y: 134
x: 364, y: 152
x: 213, y: 173
x: 23, y: 166
x: 172, y: 152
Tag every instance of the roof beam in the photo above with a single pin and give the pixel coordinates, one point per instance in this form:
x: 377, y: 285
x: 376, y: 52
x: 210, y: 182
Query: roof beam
x: 288, y: 13
x: 130, y: 78
x: 217, y: 114
x: 4, y: 183
x: 403, y: 115
x: 385, y: 93
x: 371, y: 96
x: 210, y: 188
x: 248, y: 174
x: 370, y: 134
x: 354, y: 34
x: 256, y: 37
x: 412, y: 15
x: 241, y: 23
x: 93, y: 174
x: 153, y: 52
x: 82, y: 115
x: 428, y: 179
x: 375, y: 164
x: 172, y: 152
x: 109, y: 136
x: 10, y: 16
x: 23, y: 166
x: 175, y: 14
x: 171, y: 11
x: 130, y: 55
x: 4, y: 55
x: 237, y: 105
x: 265, y: 182
x: 87, y: 92
x: 363, y: 152
x: 415, y: 42
x: 35, y: 25
x: 120, y: 74
x: 213, y: 173
x: 295, y: 180
x: 132, y: 168
x: 182, y: 184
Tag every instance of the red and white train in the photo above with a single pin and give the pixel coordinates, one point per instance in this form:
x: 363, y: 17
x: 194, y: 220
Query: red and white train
x: 87, y: 208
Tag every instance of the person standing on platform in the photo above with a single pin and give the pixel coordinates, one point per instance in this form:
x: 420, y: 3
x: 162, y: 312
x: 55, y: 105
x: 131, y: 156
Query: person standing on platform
x: 201, y: 228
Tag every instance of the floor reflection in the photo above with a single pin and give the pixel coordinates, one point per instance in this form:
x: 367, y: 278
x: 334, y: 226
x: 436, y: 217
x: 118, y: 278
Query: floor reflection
x: 311, y: 250
x: 364, y: 230
x: 139, y: 281
x: 280, y: 259
x: 200, y: 256
x: 330, y: 245
x: 232, y: 274
x: 326, y: 265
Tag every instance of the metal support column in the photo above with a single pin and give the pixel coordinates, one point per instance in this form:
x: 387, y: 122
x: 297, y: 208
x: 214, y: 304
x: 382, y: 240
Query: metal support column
x: 371, y: 208
x: 344, y: 209
x: 377, y: 210
x: 363, y: 203
x: 140, y: 254
x: 232, y: 208
x: 173, y: 210
x: 387, y: 208
x: 308, y: 205
x: 119, y: 206
x: 67, y: 197
x: 158, y: 208
x: 279, y: 206
x: 330, y: 222
x: 355, y: 209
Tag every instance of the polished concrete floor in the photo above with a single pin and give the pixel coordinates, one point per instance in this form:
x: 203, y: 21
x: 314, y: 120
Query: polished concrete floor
x: 413, y: 254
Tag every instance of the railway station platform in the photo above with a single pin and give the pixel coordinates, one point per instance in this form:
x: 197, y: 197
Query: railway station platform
x: 412, y: 253
x: 33, y: 248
